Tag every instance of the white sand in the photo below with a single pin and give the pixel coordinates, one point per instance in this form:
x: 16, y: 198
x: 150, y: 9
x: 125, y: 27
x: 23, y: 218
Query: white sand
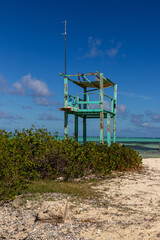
x: 132, y: 206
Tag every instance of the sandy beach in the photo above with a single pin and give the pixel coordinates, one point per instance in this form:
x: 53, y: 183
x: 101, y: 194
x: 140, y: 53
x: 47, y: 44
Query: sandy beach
x: 129, y: 209
x: 132, y: 206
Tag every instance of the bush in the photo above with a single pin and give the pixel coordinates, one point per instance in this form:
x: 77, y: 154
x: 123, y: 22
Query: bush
x: 36, y: 154
x: 123, y: 158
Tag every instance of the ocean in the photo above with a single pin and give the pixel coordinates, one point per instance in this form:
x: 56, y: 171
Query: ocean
x: 147, y: 147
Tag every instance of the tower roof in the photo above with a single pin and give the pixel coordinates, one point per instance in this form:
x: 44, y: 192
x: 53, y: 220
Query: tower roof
x: 84, y: 82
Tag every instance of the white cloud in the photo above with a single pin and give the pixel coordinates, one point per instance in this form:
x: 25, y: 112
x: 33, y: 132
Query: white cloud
x: 4, y: 115
x: 138, y: 120
x: 155, y: 117
x: 94, y: 47
x: 29, y: 86
x: 41, y: 101
x: 129, y: 94
x: 44, y: 101
x: 17, y: 89
x: 145, y: 97
x: 38, y: 86
x: 48, y: 117
x: 121, y: 109
x: 146, y: 124
x: 112, y: 52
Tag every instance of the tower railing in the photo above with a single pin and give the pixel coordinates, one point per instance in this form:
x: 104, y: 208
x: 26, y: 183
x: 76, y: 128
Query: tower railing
x: 90, y: 104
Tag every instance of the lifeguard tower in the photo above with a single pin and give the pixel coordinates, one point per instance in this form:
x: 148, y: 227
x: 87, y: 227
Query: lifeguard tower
x: 82, y: 106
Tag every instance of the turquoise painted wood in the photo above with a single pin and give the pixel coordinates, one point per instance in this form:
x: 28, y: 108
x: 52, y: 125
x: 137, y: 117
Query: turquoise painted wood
x: 89, y: 104
x: 84, y: 120
x: 65, y: 91
x: 108, y: 129
x: 66, y: 105
x: 101, y: 110
x: 114, y: 110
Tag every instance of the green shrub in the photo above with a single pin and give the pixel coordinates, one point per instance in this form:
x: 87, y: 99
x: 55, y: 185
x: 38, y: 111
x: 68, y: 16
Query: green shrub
x: 123, y: 158
x: 36, y: 154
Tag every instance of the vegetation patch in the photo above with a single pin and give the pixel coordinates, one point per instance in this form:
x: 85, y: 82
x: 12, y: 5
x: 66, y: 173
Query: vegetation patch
x: 35, y: 154
x: 78, y: 189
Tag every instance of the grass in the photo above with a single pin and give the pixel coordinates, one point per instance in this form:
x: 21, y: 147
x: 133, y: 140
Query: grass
x: 78, y: 189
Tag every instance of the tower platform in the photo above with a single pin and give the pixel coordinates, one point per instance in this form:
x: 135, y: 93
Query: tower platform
x: 90, y: 104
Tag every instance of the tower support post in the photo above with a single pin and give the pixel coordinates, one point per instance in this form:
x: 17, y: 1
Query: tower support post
x: 65, y: 105
x: 115, y: 109
x: 84, y: 119
x: 101, y: 110
x: 108, y: 129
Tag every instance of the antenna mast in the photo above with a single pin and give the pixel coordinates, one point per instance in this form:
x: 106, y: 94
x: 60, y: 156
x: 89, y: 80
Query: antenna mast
x: 65, y: 47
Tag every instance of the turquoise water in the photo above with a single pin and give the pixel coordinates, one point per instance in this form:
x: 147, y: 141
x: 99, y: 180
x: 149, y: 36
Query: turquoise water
x: 147, y: 147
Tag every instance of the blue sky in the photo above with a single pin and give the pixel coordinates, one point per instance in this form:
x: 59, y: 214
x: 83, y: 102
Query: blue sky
x: 119, y: 38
